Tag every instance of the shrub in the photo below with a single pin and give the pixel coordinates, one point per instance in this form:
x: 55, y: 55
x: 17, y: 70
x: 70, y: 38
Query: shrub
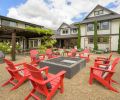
x: 95, y: 36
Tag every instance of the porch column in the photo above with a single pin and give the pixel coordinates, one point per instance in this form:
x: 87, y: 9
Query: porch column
x: 13, y: 55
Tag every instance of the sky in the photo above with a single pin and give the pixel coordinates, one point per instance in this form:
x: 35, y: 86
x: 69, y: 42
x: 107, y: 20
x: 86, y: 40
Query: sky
x: 52, y: 13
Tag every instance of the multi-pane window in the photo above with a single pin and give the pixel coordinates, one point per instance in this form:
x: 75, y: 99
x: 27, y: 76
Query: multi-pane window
x: 90, y: 40
x: 65, y: 31
x: 90, y: 27
x: 100, y: 40
x: 5, y: 23
x: 75, y: 30
x: 33, y: 43
x: 13, y: 24
x: 21, y: 25
x: 99, y: 12
x: 104, y: 25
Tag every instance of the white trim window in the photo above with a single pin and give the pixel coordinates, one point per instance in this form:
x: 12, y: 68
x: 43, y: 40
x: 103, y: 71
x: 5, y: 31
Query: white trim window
x: 65, y: 31
x: 99, y: 12
x: 90, y: 27
x: 33, y: 43
x: 104, y: 25
x: 13, y: 24
x: 74, y: 31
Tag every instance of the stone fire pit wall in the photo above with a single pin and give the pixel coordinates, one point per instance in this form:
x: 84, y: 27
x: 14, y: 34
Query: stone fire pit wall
x: 70, y: 65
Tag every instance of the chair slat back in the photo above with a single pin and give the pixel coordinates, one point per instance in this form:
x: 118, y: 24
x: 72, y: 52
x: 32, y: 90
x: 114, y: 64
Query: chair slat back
x: 48, y: 51
x: 74, y: 50
x: 33, y: 53
x: 10, y: 64
x: 86, y: 51
x: 36, y: 74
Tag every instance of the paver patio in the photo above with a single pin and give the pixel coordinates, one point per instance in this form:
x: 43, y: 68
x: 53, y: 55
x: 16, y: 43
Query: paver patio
x: 76, y: 88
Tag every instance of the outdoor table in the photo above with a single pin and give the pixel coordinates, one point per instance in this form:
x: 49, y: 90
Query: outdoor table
x: 70, y: 65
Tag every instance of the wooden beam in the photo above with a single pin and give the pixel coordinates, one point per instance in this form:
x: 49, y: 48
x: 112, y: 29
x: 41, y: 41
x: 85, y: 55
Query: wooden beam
x: 13, y: 55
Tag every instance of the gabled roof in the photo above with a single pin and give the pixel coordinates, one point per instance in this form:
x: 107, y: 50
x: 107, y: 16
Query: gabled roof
x: 101, y: 18
x: 63, y: 24
x: 70, y: 26
x: 112, y: 12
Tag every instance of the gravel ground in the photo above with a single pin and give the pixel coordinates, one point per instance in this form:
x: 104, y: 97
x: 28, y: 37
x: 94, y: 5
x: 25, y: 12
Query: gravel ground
x: 76, y: 88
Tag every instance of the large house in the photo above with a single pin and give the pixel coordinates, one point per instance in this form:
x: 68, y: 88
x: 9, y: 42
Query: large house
x: 66, y: 36
x: 18, y: 24
x: 107, y: 29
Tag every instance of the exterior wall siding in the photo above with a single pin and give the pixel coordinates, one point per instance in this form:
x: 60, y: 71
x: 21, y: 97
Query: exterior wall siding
x: 83, y: 30
x: 21, y: 25
x: 114, y: 43
x: 82, y: 42
x: 115, y: 26
x: 113, y: 29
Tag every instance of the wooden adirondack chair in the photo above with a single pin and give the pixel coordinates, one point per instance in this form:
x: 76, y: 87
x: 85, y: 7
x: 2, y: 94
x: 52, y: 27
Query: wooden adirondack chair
x: 50, y: 54
x: 103, y: 60
x: 85, y: 54
x: 39, y: 83
x: 35, y: 57
x: 17, y: 73
x: 72, y: 53
x: 104, y: 75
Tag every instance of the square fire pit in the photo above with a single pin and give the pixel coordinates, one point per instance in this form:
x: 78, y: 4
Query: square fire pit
x: 70, y: 65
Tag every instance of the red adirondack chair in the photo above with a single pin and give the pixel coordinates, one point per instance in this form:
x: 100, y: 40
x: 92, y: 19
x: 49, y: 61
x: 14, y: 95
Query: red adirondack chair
x: 35, y: 57
x: 17, y: 73
x: 39, y: 83
x: 50, y: 54
x: 72, y: 53
x: 104, y: 75
x: 85, y: 54
x: 103, y: 60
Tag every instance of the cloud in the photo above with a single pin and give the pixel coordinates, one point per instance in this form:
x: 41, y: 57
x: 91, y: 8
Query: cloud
x: 51, y: 13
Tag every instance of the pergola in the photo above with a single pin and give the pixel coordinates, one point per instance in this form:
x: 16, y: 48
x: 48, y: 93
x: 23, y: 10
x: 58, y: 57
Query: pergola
x: 9, y: 32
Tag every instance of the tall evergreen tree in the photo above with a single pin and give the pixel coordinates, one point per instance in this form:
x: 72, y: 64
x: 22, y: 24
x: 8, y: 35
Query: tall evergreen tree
x: 119, y: 41
x: 95, y: 36
x: 79, y: 37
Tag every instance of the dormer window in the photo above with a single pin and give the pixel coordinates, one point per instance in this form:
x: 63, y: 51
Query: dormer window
x: 99, y: 12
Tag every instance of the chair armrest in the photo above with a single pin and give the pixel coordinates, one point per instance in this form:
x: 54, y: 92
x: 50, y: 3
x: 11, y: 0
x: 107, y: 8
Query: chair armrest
x: 101, y: 58
x: 16, y: 69
x: 54, y: 77
x: 97, y: 64
x: 42, y: 55
x: 44, y: 69
x: 19, y: 64
x: 92, y: 68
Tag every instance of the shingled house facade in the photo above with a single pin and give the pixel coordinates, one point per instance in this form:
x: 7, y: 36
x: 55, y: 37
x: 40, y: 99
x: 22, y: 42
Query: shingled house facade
x: 107, y: 29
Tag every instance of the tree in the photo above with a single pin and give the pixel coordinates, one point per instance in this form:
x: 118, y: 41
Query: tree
x: 95, y: 36
x: 119, y: 41
x: 79, y: 37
